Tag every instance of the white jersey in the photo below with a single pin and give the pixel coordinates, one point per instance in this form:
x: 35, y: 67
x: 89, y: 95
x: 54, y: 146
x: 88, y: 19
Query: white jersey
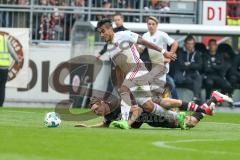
x: 124, y: 53
x: 162, y: 40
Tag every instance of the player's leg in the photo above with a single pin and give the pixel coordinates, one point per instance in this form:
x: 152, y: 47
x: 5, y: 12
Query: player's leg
x: 125, y: 95
x: 225, y: 86
x: 169, y: 103
x: 216, y: 98
x: 3, y: 80
x: 192, y: 120
x: 209, y: 83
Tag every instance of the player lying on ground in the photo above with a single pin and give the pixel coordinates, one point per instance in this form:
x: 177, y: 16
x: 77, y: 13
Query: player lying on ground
x: 122, y: 51
x: 168, y: 119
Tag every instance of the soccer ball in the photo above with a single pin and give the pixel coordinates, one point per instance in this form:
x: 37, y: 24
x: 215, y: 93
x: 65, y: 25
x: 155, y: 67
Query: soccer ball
x: 52, y: 119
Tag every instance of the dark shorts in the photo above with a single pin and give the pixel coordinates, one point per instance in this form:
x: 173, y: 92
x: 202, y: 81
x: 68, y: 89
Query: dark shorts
x: 154, y: 121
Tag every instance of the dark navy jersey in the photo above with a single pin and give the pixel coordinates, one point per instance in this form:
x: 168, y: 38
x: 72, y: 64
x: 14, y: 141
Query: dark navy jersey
x: 165, y: 120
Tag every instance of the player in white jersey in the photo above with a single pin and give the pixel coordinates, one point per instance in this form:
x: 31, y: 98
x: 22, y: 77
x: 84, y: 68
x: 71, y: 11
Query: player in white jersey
x: 161, y: 39
x: 123, y: 53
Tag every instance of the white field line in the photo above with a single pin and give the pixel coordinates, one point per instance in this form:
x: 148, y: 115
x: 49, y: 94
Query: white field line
x: 169, y: 145
x: 222, y: 123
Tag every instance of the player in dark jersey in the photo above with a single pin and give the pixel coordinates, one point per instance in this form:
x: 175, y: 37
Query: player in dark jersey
x: 111, y: 110
x: 111, y: 113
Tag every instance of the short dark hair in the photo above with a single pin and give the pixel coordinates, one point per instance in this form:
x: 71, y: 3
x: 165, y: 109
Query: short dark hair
x: 212, y: 40
x: 94, y: 100
x: 189, y: 38
x: 103, y: 22
x: 118, y: 14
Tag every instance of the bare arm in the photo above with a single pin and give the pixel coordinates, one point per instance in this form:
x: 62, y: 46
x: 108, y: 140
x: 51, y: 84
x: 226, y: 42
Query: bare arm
x: 136, y: 112
x: 99, y: 125
x: 150, y: 45
x: 174, y: 47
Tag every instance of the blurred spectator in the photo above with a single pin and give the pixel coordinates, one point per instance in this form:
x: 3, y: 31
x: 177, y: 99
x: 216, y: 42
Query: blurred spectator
x: 79, y: 15
x: 227, y: 51
x: 160, y: 6
x: 51, y: 23
x: 228, y: 56
x: 214, y: 70
x: 106, y: 5
x: 234, y: 76
x: 201, y: 48
x: 23, y: 2
x: 164, y: 6
x: 120, y: 4
x: 189, y: 64
x: 153, y: 5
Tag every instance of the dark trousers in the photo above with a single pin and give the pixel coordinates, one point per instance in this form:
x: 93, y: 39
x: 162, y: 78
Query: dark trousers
x: 3, y: 80
x: 219, y: 82
x: 170, y: 81
x: 234, y: 80
x: 192, y: 81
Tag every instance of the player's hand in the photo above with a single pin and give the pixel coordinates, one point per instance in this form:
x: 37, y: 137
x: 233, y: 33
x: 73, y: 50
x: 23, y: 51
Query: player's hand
x: 170, y: 55
x: 167, y: 60
x: 98, y: 56
x: 81, y: 125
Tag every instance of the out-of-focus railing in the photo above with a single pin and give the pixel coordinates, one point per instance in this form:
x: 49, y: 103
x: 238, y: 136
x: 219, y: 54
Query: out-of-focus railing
x: 52, y: 20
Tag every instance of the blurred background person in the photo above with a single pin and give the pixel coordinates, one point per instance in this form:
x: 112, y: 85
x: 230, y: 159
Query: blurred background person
x: 51, y: 23
x: 79, y: 15
x: 189, y: 64
x: 215, y: 70
x: 164, y: 7
x: 106, y: 5
x: 234, y: 75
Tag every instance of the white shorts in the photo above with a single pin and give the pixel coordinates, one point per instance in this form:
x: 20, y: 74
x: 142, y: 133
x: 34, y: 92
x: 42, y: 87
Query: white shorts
x: 139, y: 87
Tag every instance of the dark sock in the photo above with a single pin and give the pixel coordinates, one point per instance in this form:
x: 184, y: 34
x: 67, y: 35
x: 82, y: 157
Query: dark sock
x: 212, y: 99
x: 199, y: 109
x: 198, y: 115
x: 191, y: 106
x: 184, y: 106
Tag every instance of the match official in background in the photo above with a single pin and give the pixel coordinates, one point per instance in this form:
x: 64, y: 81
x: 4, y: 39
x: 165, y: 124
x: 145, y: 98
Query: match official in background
x: 234, y: 77
x: 6, y: 51
x: 118, y: 20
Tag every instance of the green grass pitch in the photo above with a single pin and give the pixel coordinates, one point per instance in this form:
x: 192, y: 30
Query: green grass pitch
x: 24, y: 137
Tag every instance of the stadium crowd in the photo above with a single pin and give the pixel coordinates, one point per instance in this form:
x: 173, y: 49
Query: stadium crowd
x: 198, y: 66
x: 51, y: 24
x: 215, y: 66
